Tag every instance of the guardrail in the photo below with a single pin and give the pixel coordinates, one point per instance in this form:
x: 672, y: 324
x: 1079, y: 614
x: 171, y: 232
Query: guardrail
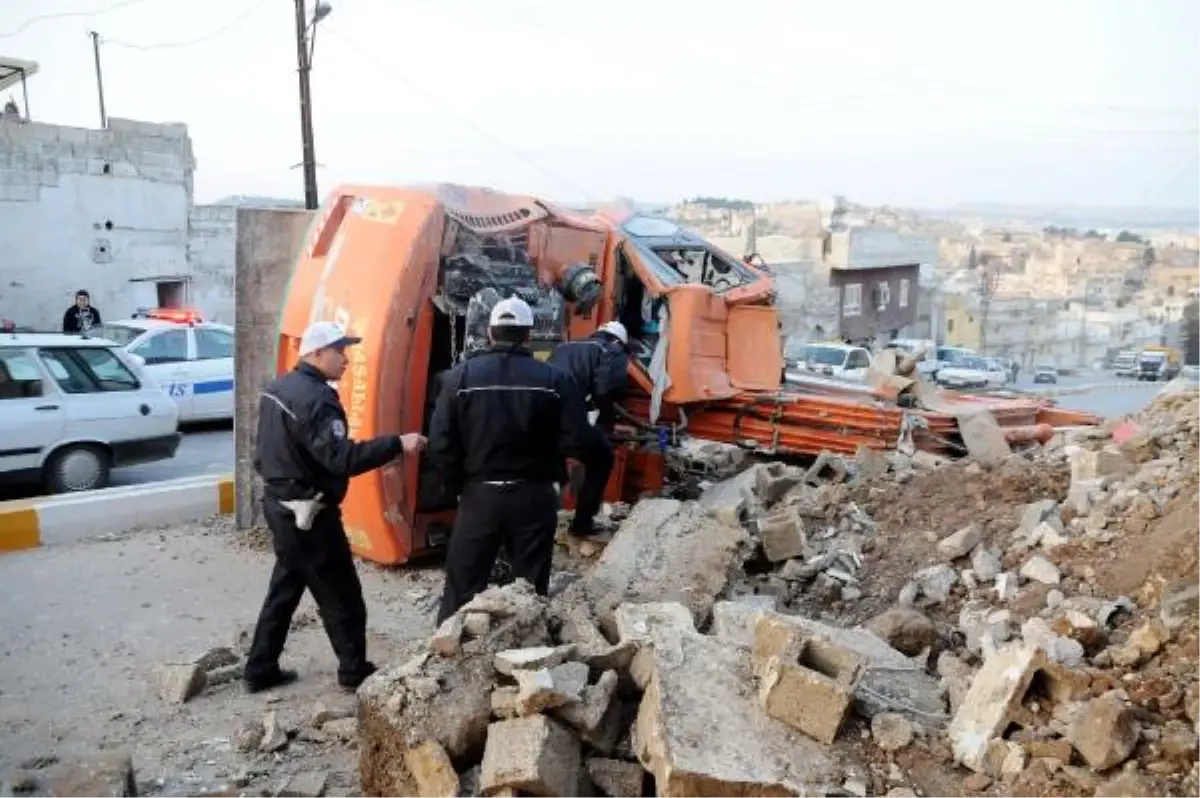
x: 72, y: 517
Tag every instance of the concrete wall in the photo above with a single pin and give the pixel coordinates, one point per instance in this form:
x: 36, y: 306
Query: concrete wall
x: 211, y: 256
x: 105, y: 210
x: 267, y: 242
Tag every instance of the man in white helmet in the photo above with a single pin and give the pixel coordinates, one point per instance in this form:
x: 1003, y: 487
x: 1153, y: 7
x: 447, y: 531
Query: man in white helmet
x: 600, y: 366
x: 502, y: 425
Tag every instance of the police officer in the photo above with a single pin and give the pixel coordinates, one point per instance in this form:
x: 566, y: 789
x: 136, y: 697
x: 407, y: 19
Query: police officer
x: 600, y: 366
x: 501, y: 428
x: 306, y: 462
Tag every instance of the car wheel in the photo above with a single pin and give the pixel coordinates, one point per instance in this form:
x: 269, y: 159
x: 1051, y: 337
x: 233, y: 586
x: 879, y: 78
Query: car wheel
x: 77, y: 468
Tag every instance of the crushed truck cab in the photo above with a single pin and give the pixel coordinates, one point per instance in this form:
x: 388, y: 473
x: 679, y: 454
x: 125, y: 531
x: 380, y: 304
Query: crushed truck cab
x: 415, y: 272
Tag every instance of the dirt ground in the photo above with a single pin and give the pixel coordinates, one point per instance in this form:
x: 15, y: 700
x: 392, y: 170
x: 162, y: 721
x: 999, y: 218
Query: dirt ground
x: 84, y: 625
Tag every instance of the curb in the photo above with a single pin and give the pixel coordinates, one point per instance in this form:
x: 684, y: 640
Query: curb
x: 1074, y: 390
x: 72, y: 517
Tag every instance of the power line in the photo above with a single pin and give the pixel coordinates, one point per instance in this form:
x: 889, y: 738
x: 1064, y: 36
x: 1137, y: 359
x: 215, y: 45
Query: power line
x: 466, y: 121
x: 228, y: 26
x: 27, y: 24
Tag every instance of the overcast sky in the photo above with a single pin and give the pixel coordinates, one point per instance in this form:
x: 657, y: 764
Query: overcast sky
x: 913, y: 102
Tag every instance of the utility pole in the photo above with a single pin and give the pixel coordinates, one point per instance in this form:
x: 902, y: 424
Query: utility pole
x: 987, y: 285
x: 304, y: 67
x: 99, y: 77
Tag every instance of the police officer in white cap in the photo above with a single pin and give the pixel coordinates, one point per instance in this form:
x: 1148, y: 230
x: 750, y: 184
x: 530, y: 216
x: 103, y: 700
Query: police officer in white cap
x: 503, y: 423
x: 306, y: 461
x: 600, y: 366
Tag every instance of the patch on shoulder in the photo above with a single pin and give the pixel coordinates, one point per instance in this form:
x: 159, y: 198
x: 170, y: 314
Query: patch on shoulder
x: 339, y: 428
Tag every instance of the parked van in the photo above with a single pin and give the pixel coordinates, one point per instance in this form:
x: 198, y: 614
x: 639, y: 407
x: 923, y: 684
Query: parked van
x: 73, y: 408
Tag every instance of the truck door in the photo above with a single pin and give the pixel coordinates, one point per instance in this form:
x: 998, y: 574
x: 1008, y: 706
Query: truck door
x: 697, y: 348
x: 754, y: 356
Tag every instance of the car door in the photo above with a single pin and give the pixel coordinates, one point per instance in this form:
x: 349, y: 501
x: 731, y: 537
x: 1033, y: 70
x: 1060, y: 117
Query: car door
x: 167, y: 353
x: 31, y: 412
x: 97, y: 405
x: 857, y: 363
x: 212, y: 373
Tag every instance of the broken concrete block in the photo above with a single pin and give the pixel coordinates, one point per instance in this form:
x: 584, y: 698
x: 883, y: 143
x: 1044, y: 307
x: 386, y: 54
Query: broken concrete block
x: 180, y: 682
x: 1109, y: 462
x: 776, y: 638
x: 275, y: 736
x: 1034, y: 514
x: 447, y: 640
x: 698, y: 686
x: 804, y: 699
x: 986, y: 564
x: 782, y: 535
x: 109, y: 773
x: 547, y: 688
x: 534, y: 658
x: 505, y: 704
x: 871, y: 463
x: 536, y: 755
x: 322, y: 714
x: 891, y: 731
x: 615, y: 777
x: 587, y: 714
x: 1104, y: 732
x: 1142, y: 644
x: 640, y: 622
x: 773, y: 480
x: 1038, y: 569
x: 828, y: 467
x: 665, y: 551
x: 995, y: 694
x: 983, y: 437
x: 735, y: 621
x: 305, y: 784
x: 933, y: 584
x: 432, y: 770
x: 960, y: 543
x: 1063, y: 650
x: 904, y: 629
x: 730, y: 500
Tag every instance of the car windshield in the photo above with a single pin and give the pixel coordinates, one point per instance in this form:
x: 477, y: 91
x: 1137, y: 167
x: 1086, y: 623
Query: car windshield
x: 825, y: 355
x: 1044, y: 367
x: 119, y: 333
x: 971, y: 363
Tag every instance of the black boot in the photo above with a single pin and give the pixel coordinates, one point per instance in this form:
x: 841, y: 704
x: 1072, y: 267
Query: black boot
x: 268, y: 681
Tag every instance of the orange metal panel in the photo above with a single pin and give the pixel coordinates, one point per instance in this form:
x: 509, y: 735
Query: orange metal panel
x: 696, y: 346
x: 755, y: 360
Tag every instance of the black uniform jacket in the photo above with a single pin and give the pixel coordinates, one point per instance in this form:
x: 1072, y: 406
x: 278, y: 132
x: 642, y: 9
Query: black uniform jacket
x: 504, y: 416
x: 303, y: 446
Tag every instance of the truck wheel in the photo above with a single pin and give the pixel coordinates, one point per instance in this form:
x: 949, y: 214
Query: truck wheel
x: 76, y: 468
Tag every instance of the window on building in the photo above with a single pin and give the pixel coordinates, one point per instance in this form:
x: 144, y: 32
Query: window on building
x: 20, y: 377
x: 883, y: 295
x: 213, y: 344
x: 852, y: 300
x: 171, y: 293
x: 88, y: 371
x: 165, y: 347
x: 904, y: 293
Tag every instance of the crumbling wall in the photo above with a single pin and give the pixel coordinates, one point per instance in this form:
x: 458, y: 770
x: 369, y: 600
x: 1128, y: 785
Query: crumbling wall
x: 267, y: 242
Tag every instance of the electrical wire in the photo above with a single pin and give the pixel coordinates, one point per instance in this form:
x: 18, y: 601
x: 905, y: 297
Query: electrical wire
x: 228, y: 26
x: 361, y: 52
x: 27, y: 24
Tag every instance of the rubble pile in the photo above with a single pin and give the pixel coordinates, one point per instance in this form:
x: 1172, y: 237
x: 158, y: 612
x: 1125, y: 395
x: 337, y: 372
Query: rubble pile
x: 896, y: 624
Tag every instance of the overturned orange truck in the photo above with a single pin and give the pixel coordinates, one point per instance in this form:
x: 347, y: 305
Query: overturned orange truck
x: 414, y: 272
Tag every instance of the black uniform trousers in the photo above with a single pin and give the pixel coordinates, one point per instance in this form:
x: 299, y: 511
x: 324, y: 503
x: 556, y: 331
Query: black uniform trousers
x: 320, y: 561
x: 597, y: 466
x: 521, y: 517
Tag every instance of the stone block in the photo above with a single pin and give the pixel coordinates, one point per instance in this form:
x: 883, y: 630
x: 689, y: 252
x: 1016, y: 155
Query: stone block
x: 699, y: 732
x: 983, y: 437
x: 773, y: 480
x: 548, y: 688
x: 960, y: 543
x: 535, y: 755
x: 616, y: 777
x: 993, y: 697
x: 665, y: 551
x: 587, y: 714
x: 804, y: 699
x: 1104, y: 732
x: 305, y: 784
x: 432, y: 770
x: 533, y: 658
x: 782, y: 534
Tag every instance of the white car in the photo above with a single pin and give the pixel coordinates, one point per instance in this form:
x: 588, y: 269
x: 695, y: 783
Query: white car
x: 190, y: 358
x: 72, y: 409
x: 831, y: 360
x: 973, y: 372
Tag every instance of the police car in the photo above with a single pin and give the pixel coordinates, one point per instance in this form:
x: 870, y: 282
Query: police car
x: 190, y: 358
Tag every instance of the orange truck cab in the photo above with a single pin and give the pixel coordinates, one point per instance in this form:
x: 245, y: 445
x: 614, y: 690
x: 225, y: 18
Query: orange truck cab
x: 414, y: 273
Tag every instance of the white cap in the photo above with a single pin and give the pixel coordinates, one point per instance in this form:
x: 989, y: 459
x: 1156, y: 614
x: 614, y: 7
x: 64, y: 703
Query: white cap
x: 324, y: 334
x: 616, y: 329
x: 511, y: 312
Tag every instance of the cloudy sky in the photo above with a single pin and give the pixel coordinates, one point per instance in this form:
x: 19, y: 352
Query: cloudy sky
x: 918, y: 102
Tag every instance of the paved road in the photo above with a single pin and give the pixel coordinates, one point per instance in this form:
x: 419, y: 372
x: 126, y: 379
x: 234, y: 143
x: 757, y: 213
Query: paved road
x: 206, y: 449
x: 1112, y: 403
